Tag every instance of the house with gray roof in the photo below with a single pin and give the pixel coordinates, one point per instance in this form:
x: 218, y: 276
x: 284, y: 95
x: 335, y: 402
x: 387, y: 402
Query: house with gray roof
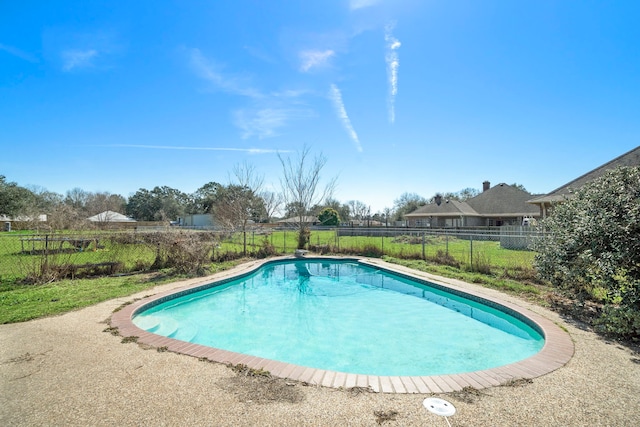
x: 545, y: 203
x: 502, y: 204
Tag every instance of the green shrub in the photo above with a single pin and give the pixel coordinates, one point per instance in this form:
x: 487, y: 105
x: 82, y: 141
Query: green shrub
x: 619, y: 322
x: 592, y: 247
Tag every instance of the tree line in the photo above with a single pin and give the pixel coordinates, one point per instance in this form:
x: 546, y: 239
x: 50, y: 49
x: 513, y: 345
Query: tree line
x: 234, y: 204
x: 164, y: 203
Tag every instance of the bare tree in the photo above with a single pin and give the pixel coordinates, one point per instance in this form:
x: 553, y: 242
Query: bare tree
x: 272, y: 203
x: 406, y: 203
x: 358, y: 209
x: 101, y: 202
x: 239, y: 203
x: 300, y: 186
x: 387, y: 214
x: 77, y: 198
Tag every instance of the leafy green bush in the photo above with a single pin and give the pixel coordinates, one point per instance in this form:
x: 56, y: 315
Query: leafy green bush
x: 329, y: 216
x: 622, y: 322
x: 592, y: 248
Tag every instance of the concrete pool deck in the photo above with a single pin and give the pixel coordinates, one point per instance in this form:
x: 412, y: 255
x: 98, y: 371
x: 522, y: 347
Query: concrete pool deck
x: 69, y: 370
x: 557, y: 351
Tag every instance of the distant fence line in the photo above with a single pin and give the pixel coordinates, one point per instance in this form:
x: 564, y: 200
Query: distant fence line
x: 510, y: 237
x: 147, y: 248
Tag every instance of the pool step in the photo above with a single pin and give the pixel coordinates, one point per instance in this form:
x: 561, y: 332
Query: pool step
x: 148, y: 323
x: 185, y: 332
x: 158, y: 325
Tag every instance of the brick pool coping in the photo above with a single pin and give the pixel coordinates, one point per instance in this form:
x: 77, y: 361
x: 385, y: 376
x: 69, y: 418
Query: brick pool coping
x: 556, y: 352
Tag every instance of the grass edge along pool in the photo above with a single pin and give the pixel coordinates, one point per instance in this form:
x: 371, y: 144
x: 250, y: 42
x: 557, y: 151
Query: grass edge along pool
x: 452, y: 299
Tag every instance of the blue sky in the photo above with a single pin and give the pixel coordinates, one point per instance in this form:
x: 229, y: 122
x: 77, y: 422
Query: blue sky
x: 401, y: 96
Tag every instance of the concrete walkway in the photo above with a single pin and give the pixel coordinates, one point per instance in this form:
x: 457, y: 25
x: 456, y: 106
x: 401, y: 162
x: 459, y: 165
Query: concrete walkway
x: 70, y: 371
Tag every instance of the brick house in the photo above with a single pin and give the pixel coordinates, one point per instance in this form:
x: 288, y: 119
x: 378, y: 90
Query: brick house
x: 502, y: 204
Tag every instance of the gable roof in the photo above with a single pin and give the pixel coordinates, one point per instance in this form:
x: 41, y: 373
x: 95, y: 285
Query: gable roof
x: 498, y: 201
x: 447, y: 208
x: 630, y: 158
x: 503, y: 200
x: 110, y: 216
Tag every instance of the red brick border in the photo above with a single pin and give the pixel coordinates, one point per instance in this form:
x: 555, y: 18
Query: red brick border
x: 556, y: 352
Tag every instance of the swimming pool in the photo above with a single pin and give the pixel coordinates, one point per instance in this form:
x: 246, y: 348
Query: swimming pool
x: 331, y: 318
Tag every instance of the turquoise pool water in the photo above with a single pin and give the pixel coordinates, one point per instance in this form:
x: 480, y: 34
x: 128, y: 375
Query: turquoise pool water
x: 348, y: 317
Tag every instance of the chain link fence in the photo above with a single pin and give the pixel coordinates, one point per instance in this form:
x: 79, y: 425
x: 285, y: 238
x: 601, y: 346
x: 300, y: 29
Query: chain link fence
x: 42, y: 257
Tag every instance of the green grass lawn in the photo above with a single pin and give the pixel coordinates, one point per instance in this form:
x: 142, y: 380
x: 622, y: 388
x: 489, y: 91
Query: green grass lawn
x: 19, y: 302
x: 492, y: 266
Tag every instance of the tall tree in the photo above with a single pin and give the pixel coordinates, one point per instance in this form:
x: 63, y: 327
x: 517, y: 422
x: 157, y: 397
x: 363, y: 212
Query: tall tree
x: 358, y: 210
x: 100, y: 202
x: 13, y: 198
x: 160, y: 204
x: 272, y: 202
x: 407, y: 203
x: 204, y: 198
x: 77, y: 198
x: 301, y: 186
x: 238, y: 204
x: 388, y: 212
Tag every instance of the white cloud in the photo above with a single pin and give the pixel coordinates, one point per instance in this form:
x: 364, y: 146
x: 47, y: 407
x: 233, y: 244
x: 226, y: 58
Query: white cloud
x: 73, y: 58
x: 207, y: 70
x: 290, y: 93
x: 336, y: 97
x: 18, y: 53
x: 393, y: 63
x: 265, y: 122
x: 361, y: 4
x: 262, y: 123
x: 315, y: 58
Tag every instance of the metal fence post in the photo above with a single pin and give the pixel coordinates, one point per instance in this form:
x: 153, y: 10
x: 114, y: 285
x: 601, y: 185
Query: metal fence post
x: 446, y: 240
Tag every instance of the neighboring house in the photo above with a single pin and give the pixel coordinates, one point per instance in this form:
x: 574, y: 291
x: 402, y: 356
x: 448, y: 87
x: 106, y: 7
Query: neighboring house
x: 197, y: 220
x: 21, y: 221
x: 502, y: 204
x: 545, y: 203
x: 110, y: 217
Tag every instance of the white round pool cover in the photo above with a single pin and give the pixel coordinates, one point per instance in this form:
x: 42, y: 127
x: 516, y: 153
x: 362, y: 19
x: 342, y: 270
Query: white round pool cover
x: 439, y: 406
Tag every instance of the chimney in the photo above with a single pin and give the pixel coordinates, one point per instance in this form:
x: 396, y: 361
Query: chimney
x: 486, y: 185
